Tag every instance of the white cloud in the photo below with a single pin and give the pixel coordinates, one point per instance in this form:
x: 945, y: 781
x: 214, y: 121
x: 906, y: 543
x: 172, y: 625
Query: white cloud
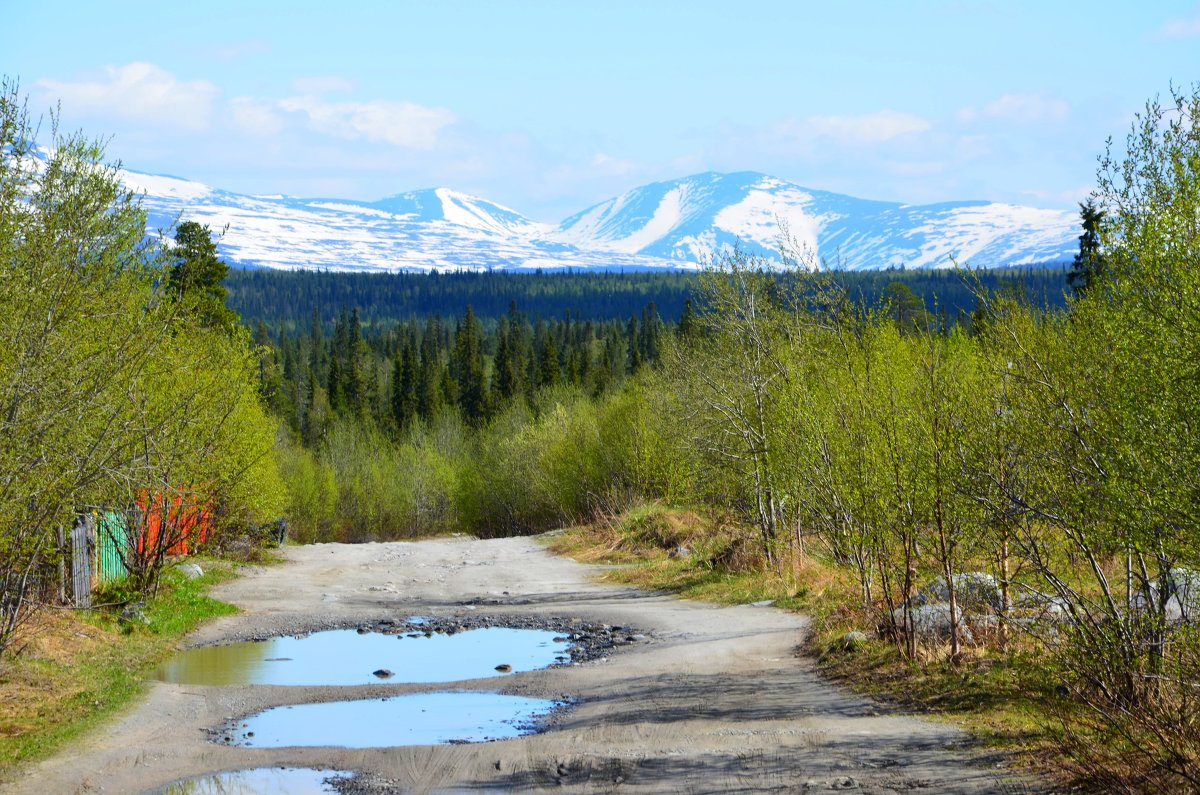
x: 139, y: 91
x: 917, y: 168
x: 1020, y: 108
x: 612, y: 165
x: 1074, y: 195
x: 322, y: 84
x: 863, y: 129
x: 256, y: 117
x: 1181, y: 28
x: 403, y: 124
x: 240, y: 49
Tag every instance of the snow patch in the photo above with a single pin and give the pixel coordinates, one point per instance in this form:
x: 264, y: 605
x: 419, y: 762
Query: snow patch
x: 162, y: 186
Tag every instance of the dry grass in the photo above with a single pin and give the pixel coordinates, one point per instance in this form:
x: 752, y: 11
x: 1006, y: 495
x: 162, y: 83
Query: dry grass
x: 74, y: 669
x: 995, y: 695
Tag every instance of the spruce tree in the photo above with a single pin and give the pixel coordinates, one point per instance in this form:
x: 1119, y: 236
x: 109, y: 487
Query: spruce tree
x: 1088, y: 266
x: 469, y: 375
x: 196, y: 276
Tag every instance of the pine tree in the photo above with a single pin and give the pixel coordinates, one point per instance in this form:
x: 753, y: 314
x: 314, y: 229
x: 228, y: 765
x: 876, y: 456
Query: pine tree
x: 548, y: 371
x: 336, y: 388
x: 430, y: 396
x: 316, y: 344
x: 468, y: 368
x: 354, y: 373
x: 404, y: 384
x: 196, y: 276
x: 633, y: 352
x: 1088, y: 266
x: 687, y: 327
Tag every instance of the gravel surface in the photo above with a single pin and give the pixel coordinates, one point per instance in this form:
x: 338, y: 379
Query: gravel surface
x: 663, y: 695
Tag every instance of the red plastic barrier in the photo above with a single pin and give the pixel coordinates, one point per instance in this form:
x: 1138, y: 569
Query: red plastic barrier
x: 187, y: 524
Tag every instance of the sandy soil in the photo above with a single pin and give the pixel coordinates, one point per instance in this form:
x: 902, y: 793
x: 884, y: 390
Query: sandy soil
x: 715, y: 699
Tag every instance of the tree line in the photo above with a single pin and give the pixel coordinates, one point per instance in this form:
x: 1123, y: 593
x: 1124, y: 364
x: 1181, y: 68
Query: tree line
x: 423, y: 371
x: 289, y: 298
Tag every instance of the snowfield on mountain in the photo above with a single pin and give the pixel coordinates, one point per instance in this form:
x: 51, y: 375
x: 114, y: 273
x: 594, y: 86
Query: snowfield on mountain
x: 663, y: 225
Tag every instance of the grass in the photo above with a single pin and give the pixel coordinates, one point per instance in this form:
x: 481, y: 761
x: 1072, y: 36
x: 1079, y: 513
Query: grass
x: 992, y: 694
x: 78, y: 668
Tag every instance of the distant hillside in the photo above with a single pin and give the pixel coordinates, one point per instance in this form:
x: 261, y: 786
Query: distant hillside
x: 663, y: 226
x: 684, y: 218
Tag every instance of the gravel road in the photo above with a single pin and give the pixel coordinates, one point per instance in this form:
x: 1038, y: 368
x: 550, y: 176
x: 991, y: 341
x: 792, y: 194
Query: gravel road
x: 706, y: 699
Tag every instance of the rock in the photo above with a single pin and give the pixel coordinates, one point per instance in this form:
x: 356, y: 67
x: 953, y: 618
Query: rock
x: 503, y: 668
x: 1183, y: 595
x: 679, y: 552
x: 1185, y: 589
x: 972, y: 590
x: 933, y: 621
x: 853, y: 640
x: 1040, y: 607
x: 274, y: 533
x: 191, y: 571
x: 383, y: 673
x: 133, y: 614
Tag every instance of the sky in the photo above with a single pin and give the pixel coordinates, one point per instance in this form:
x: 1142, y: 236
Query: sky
x: 552, y: 107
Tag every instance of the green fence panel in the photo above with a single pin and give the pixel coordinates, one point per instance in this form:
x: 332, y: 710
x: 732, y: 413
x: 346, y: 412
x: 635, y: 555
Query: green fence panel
x: 111, y: 535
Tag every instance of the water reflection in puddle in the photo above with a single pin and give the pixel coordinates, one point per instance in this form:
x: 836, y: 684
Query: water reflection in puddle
x: 422, y: 719
x: 345, y: 657
x: 260, y: 781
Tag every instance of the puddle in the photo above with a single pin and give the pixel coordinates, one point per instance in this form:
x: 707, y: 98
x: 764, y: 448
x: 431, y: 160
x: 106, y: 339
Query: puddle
x: 421, y: 719
x: 346, y: 657
x: 260, y: 781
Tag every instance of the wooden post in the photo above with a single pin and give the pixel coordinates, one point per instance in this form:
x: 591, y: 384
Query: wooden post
x: 62, y: 565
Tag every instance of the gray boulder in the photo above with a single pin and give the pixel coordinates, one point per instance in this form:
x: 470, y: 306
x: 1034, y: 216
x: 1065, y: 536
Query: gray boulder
x: 134, y: 614
x: 1033, y: 607
x: 1182, y: 592
x: 973, y: 590
x: 932, y: 621
x: 1185, y: 590
x: 191, y: 571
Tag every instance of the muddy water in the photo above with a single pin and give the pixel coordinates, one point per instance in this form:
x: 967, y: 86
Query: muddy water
x: 259, y: 781
x: 422, y: 719
x: 346, y: 657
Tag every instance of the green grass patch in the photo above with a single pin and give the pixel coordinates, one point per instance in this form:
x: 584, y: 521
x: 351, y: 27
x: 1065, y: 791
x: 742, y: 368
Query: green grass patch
x: 79, y: 668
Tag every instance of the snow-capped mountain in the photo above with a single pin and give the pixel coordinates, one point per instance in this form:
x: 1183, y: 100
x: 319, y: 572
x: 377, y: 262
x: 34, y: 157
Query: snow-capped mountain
x: 422, y: 230
x: 662, y: 225
x: 687, y: 218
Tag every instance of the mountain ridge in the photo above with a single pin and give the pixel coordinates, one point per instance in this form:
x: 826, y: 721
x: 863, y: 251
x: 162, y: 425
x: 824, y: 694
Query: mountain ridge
x: 671, y: 224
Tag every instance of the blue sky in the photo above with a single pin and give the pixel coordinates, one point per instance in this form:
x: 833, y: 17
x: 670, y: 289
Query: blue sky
x: 550, y: 107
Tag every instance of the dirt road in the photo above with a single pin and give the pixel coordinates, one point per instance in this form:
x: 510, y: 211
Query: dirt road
x: 714, y: 699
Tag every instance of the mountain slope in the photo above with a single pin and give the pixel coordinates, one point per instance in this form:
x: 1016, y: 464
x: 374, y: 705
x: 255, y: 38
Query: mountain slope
x: 685, y: 218
x: 672, y: 224
x: 423, y: 230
